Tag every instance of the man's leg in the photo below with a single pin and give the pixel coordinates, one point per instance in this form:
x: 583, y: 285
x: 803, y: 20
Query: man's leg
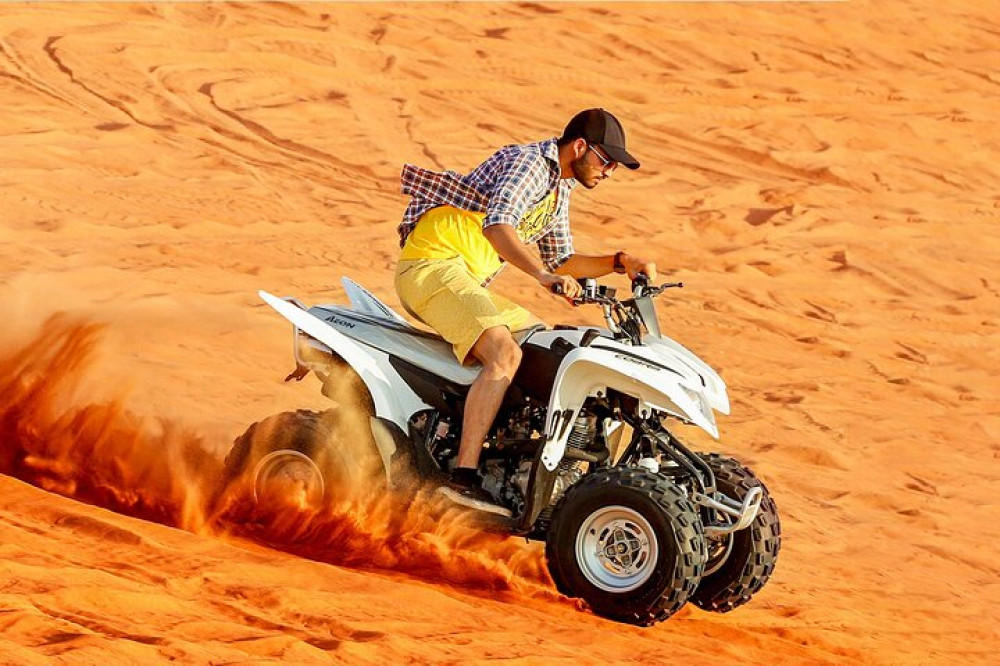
x: 500, y: 357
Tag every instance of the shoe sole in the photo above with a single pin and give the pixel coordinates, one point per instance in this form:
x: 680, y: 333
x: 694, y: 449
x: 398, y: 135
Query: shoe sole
x: 486, y: 507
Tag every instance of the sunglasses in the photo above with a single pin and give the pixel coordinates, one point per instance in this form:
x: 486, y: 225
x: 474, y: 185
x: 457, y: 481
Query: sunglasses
x: 607, y: 165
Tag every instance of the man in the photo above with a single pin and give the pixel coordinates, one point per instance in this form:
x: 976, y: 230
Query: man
x: 457, y: 233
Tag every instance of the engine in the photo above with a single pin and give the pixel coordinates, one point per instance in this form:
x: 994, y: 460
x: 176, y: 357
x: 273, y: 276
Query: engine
x: 569, y: 472
x: 506, y: 468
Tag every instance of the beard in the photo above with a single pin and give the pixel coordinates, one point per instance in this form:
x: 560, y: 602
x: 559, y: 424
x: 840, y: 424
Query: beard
x: 580, y: 169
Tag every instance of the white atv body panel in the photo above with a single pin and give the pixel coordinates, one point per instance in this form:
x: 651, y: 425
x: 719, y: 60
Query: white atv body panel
x: 380, y: 335
x: 660, y: 351
x: 392, y: 397
x: 660, y: 381
x: 715, y: 387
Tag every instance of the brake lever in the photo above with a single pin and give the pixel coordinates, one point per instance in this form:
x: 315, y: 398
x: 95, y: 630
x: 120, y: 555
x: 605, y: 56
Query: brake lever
x: 655, y: 291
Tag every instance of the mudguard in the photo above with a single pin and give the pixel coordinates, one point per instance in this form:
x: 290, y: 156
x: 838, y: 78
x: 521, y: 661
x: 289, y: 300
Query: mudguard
x: 587, y: 371
x: 393, y: 399
x: 715, y: 387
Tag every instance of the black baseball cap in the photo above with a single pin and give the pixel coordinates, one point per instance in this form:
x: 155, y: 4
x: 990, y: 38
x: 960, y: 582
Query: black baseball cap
x: 600, y: 128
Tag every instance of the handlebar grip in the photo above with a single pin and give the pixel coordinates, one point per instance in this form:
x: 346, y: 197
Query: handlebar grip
x: 557, y: 289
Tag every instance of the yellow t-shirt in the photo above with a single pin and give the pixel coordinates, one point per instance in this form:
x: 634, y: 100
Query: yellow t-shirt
x: 445, y: 232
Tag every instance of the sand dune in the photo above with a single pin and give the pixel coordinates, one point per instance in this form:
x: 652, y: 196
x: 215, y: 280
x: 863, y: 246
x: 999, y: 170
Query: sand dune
x: 823, y: 178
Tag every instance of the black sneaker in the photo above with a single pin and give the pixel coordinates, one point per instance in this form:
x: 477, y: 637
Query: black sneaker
x: 458, y: 490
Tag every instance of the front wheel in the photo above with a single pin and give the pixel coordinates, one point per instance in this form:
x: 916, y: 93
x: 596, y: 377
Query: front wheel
x: 629, y: 543
x: 740, y: 563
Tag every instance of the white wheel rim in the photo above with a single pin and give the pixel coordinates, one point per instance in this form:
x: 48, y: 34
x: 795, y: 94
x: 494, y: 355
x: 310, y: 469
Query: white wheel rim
x: 291, y: 467
x: 616, y: 549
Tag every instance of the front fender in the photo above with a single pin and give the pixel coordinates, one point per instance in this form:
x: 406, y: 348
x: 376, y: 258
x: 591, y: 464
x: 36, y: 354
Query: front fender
x: 587, y: 371
x: 715, y: 387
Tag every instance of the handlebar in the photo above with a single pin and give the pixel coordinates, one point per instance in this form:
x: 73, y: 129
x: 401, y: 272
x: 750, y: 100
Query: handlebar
x: 593, y: 293
x: 626, y: 318
x: 641, y: 286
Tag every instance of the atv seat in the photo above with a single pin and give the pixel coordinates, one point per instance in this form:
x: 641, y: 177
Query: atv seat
x: 365, y: 303
x: 403, y: 326
x: 520, y: 336
x: 372, y: 323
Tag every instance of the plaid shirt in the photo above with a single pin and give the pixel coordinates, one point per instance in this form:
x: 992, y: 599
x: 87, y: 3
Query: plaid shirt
x: 506, y: 186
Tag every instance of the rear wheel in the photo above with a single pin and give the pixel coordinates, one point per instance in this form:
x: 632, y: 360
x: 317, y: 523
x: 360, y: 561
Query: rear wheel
x: 629, y: 543
x: 741, y: 563
x: 301, y: 458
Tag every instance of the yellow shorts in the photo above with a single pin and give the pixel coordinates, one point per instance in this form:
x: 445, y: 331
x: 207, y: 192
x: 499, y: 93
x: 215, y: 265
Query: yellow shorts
x: 443, y: 294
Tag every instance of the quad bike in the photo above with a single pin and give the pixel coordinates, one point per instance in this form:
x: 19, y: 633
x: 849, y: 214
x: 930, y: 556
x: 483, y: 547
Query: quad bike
x: 583, y: 453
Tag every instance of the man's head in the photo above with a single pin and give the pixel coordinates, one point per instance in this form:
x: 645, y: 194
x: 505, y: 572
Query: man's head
x: 594, y: 145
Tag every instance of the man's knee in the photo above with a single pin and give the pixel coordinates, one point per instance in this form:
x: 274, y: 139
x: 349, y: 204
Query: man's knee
x: 498, y: 351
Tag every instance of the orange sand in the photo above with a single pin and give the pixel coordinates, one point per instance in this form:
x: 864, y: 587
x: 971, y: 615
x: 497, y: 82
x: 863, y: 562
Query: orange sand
x: 823, y: 177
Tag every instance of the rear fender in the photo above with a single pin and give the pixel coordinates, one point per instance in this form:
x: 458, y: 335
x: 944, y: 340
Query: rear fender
x: 589, y: 371
x: 393, y: 399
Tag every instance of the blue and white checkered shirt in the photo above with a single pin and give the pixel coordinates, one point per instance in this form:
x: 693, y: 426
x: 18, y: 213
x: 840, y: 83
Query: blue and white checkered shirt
x: 509, y: 184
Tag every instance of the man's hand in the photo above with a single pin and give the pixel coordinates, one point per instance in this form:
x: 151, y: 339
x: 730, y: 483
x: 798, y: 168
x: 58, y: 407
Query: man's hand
x: 635, y: 265
x: 570, y: 287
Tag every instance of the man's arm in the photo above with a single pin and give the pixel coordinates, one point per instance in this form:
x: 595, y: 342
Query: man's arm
x: 505, y: 241
x: 584, y: 266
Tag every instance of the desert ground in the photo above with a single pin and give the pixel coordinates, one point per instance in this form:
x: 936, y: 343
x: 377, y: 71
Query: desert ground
x: 823, y: 177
